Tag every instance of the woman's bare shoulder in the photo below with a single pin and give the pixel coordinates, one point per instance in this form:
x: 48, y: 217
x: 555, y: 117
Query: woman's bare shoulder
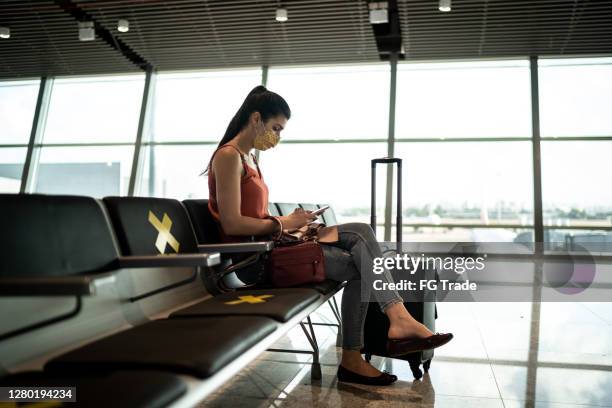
x: 226, y: 159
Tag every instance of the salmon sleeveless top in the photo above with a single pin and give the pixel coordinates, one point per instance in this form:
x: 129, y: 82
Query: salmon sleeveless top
x: 253, y: 195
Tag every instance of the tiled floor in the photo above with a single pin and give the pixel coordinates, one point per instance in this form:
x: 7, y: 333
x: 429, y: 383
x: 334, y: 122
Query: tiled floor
x: 503, y: 355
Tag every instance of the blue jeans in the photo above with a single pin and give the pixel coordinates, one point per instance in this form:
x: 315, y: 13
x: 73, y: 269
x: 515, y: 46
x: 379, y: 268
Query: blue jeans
x: 351, y: 259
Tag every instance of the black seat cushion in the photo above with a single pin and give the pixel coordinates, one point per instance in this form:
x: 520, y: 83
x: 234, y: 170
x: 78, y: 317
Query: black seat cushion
x: 197, y: 347
x: 54, y: 235
x: 129, y: 389
x: 279, y: 304
x: 204, y: 224
x: 139, y: 220
x: 324, y: 288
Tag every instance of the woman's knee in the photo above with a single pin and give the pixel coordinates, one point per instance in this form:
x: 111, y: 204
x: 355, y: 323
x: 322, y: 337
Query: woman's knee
x: 361, y: 228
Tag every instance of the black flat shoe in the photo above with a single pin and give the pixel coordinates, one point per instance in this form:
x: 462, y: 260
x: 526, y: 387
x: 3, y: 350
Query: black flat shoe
x: 399, y: 347
x: 349, y: 376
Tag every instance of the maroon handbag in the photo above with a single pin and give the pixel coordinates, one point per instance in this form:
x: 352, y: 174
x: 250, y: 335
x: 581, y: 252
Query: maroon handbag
x: 297, y: 264
x: 297, y: 258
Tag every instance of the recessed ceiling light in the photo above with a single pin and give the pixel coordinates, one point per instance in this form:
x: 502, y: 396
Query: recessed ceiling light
x: 5, y: 32
x: 87, y: 31
x: 445, y: 5
x: 123, y: 25
x: 379, y: 13
x: 281, y: 15
x: 379, y: 16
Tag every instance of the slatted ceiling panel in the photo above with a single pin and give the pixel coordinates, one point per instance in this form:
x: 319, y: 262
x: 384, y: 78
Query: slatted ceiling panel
x: 211, y: 34
x: 44, y: 41
x: 201, y: 34
x: 505, y: 28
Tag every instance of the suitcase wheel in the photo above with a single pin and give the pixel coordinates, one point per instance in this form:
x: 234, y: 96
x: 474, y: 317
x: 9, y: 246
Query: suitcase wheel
x: 416, y: 371
x: 426, y: 366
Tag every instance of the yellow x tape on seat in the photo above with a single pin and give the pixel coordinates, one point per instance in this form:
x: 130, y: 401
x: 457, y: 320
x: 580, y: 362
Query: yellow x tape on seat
x: 249, y: 299
x: 164, y: 236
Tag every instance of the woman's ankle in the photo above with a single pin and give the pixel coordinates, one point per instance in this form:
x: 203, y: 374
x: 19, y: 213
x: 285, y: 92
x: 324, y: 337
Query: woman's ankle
x: 360, y: 366
x: 350, y: 357
x: 397, y: 313
x: 407, y: 329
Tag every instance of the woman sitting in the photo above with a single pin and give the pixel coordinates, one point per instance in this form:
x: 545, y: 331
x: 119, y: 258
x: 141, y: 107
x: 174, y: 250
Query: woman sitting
x: 239, y: 202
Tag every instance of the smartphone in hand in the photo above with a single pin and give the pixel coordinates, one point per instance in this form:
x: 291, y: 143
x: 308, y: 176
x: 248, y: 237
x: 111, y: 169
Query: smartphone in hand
x: 320, y: 210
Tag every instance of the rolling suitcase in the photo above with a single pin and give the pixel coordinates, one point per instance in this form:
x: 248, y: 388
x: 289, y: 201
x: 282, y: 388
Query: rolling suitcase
x: 377, y: 323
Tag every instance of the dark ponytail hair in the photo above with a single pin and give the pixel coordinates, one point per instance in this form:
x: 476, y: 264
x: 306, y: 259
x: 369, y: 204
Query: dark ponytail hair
x: 261, y: 100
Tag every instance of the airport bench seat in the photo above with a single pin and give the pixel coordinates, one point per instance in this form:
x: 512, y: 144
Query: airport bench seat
x: 326, y: 287
x: 120, y: 389
x: 197, y: 341
x: 184, y: 346
x: 62, y: 246
x: 131, y: 219
x: 278, y: 304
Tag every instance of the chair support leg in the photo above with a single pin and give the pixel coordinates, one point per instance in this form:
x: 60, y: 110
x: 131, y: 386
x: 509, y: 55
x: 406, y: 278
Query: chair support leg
x: 315, y: 373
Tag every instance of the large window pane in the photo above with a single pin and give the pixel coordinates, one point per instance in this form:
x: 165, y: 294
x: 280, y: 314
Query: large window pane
x: 198, y: 107
x: 173, y: 171
x: 90, y: 171
x: 576, y: 97
x: 575, y: 183
x: 17, y: 106
x: 577, y: 240
x: 487, y: 183
x: 11, y: 168
x: 95, y: 109
x: 346, y: 102
x: 333, y: 173
x: 468, y: 99
x: 458, y: 234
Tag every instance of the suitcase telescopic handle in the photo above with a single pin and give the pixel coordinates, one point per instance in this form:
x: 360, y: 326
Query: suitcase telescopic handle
x: 387, y: 160
x: 398, y: 225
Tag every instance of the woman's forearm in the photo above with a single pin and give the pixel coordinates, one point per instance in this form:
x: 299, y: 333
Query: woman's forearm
x: 250, y: 226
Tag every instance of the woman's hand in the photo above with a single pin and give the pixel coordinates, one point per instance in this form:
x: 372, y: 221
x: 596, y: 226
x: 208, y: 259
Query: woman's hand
x: 298, y: 218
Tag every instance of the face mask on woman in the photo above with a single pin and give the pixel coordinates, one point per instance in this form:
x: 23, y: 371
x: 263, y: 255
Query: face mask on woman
x: 265, y: 139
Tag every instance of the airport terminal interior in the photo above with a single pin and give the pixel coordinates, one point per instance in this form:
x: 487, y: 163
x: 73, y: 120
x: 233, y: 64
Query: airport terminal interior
x: 492, y: 123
